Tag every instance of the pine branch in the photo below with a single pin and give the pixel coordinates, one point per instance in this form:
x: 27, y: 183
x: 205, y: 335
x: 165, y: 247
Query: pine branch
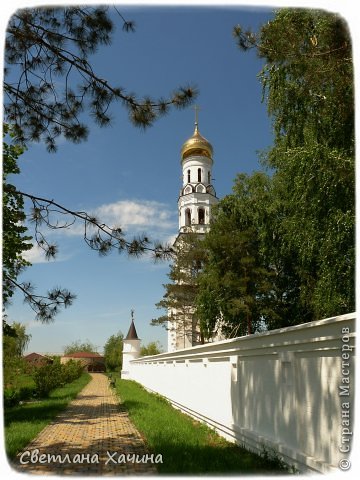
x: 44, y: 43
x: 104, y: 240
x: 45, y: 306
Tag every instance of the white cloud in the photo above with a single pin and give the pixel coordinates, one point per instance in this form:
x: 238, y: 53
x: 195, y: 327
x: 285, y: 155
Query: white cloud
x: 152, y: 218
x: 37, y: 255
x: 136, y: 214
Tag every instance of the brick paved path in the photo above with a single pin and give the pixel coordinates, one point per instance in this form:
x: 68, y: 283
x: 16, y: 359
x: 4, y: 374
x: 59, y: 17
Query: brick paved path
x: 92, y: 425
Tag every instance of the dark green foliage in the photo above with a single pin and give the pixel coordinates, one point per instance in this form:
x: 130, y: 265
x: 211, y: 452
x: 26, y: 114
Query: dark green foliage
x: 47, y: 377
x: 307, y: 76
x: 316, y: 187
x: 237, y: 284
x: 302, y: 220
x: 15, y: 239
x: 308, y: 80
x: 11, y: 397
x: 43, y: 380
x: 179, y: 298
x: 21, y: 386
x: 281, y: 247
x: 14, y: 397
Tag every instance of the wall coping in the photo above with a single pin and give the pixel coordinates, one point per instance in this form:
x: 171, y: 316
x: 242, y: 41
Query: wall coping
x: 262, y: 340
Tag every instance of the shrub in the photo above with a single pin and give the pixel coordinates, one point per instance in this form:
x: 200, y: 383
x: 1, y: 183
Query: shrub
x: 11, y: 397
x: 71, y: 371
x: 48, y: 377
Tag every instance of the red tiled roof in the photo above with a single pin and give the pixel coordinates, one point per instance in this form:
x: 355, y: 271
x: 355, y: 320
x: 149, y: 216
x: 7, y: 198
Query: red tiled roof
x: 83, y: 355
x: 30, y: 356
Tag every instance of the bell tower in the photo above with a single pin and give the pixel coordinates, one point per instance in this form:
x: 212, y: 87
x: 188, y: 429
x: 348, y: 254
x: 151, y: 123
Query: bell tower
x: 197, y: 194
x: 196, y: 199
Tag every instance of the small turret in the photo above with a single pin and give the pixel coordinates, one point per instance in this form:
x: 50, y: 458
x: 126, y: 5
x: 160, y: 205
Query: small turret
x: 131, y: 349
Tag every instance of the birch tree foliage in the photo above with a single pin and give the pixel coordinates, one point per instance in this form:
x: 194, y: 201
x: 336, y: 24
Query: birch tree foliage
x: 307, y: 83
x: 281, y: 246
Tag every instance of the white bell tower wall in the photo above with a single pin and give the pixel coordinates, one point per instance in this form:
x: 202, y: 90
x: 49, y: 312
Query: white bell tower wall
x: 197, y: 194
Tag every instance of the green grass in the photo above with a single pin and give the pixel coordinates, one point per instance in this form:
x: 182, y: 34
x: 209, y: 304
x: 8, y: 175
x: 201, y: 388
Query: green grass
x: 24, y: 422
x: 186, y: 445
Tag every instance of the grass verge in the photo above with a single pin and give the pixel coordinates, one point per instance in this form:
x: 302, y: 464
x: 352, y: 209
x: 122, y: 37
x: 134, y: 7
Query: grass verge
x: 186, y: 445
x: 24, y: 422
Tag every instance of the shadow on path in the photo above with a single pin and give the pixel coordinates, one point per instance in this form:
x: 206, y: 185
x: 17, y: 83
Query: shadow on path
x: 88, y: 437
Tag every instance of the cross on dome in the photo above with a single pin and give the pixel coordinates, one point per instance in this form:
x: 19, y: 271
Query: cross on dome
x: 196, y: 108
x: 197, y: 144
x: 132, y: 334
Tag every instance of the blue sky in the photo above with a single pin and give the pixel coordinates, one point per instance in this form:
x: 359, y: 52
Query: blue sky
x: 132, y: 177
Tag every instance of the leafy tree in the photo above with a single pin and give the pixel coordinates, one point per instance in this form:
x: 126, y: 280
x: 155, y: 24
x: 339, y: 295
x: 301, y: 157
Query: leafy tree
x: 22, y: 338
x: 249, y: 281
x: 113, y: 352
x: 307, y: 77
x: 49, y: 84
x: 14, y: 342
x: 152, y: 348
x: 236, y: 287
x: 79, y: 346
x: 308, y: 85
x: 281, y: 247
x: 179, y: 297
x: 15, y: 242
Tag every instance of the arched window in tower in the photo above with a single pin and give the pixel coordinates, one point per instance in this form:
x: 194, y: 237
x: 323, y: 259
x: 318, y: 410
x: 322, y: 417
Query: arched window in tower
x: 187, y: 217
x: 201, y: 213
x: 209, y: 178
x: 199, y: 174
x: 188, y: 172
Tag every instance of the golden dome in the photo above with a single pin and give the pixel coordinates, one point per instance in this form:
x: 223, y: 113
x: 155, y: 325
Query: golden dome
x: 196, y: 145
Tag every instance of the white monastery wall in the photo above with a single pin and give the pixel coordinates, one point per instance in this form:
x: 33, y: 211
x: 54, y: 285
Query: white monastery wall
x: 278, y: 389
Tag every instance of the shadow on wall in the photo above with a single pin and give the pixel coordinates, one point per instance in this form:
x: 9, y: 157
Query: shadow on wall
x: 292, y: 403
x: 188, y: 446
x: 276, y: 389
